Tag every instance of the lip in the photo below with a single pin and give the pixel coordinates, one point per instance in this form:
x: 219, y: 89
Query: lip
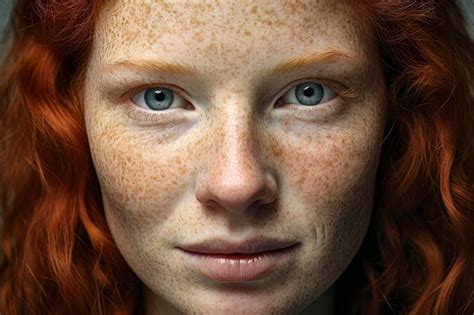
x: 238, y: 262
x: 250, y: 246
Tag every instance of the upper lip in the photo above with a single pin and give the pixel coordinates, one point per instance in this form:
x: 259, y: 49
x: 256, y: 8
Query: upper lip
x: 249, y: 246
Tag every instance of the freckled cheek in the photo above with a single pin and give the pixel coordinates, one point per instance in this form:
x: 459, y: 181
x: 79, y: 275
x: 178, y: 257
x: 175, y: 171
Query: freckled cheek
x: 142, y: 182
x: 331, y: 175
x: 331, y: 181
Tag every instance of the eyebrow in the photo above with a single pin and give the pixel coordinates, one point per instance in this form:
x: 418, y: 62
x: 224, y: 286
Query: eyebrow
x: 154, y: 66
x: 181, y: 68
x: 308, y: 60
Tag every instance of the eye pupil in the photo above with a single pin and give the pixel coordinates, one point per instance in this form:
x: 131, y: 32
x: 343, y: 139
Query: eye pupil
x: 308, y: 91
x: 159, y: 96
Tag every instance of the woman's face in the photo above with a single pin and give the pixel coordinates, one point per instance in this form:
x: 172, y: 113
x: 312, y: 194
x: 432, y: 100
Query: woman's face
x: 235, y: 120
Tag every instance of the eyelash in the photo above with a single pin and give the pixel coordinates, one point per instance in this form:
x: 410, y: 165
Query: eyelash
x: 138, y: 113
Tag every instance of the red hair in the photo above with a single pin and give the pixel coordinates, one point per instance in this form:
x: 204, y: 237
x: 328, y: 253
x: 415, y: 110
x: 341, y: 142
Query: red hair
x: 58, y: 253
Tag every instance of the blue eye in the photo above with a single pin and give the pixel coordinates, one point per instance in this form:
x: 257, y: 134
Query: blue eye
x: 158, y: 99
x: 308, y: 94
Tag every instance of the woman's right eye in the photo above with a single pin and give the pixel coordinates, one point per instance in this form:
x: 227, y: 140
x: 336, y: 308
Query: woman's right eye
x: 159, y: 99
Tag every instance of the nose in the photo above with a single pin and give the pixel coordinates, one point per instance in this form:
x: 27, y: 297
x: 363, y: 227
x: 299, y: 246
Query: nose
x: 235, y: 177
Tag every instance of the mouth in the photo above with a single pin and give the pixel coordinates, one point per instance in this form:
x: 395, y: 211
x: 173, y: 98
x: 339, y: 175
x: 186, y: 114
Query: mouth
x: 238, y: 256
x: 250, y: 246
x: 239, y: 267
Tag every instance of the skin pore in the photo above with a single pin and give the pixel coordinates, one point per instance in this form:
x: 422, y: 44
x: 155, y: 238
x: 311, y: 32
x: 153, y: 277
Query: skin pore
x: 235, y: 156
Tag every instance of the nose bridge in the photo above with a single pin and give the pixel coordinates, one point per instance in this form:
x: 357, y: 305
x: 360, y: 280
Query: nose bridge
x: 233, y: 132
x: 235, y: 176
x: 236, y: 142
x: 235, y: 160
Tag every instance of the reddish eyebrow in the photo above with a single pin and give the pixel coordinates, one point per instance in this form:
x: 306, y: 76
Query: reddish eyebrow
x: 305, y: 61
x: 180, y: 68
x: 153, y: 66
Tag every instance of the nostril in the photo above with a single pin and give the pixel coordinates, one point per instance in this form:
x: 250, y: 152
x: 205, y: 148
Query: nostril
x: 212, y: 204
x: 255, y: 204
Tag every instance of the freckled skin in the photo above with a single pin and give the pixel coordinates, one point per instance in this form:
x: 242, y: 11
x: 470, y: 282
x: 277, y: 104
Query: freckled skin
x: 233, y: 166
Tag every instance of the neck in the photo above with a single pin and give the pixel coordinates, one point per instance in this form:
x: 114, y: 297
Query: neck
x: 323, y: 305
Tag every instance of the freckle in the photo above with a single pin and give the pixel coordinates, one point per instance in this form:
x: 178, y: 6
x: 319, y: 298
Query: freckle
x: 277, y: 151
x: 210, y: 48
x: 269, y: 12
x: 268, y: 22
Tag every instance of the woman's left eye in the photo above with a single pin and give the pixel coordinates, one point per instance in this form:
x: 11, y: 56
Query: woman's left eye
x: 307, y: 94
x: 158, y: 99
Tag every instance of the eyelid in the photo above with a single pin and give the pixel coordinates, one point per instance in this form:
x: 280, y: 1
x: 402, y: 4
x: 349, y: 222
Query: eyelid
x: 135, y: 90
x: 142, y: 114
x: 338, y: 88
x: 291, y: 93
x: 177, y: 99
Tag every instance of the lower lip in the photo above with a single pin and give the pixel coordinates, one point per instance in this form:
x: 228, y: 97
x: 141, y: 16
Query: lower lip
x: 238, y: 267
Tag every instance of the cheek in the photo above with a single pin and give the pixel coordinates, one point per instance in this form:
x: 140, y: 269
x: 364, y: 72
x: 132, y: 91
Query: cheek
x: 334, y: 170
x: 328, y: 180
x: 140, y: 185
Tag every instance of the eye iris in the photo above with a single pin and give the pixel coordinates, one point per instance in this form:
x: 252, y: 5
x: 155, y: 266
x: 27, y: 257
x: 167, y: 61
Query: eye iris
x: 159, y: 99
x: 309, y: 93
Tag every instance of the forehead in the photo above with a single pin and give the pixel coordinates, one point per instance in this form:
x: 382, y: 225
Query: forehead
x: 226, y: 32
